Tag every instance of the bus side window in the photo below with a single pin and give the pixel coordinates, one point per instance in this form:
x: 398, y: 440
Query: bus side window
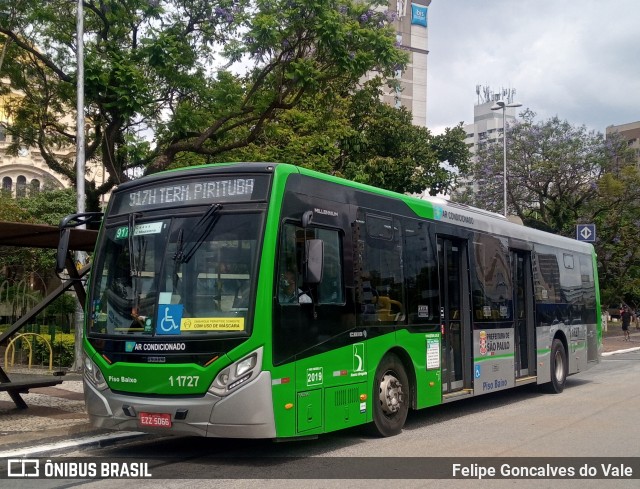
x: 290, y: 288
x: 288, y: 277
x: 381, y: 288
x: 330, y: 289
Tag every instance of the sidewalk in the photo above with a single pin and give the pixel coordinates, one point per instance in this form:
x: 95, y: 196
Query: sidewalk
x: 57, y: 414
x: 614, y: 344
x: 54, y: 413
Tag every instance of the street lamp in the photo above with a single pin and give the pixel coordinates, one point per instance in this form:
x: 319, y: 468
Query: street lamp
x: 501, y: 104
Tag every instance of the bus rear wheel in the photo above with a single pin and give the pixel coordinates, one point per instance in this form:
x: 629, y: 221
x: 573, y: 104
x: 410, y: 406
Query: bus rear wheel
x: 391, y: 395
x: 558, y: 366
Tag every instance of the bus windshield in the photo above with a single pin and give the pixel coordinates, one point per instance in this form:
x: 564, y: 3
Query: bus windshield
x: 176, y: 276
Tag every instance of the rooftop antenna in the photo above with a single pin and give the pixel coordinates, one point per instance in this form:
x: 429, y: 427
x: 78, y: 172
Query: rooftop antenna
x: 487, y: 94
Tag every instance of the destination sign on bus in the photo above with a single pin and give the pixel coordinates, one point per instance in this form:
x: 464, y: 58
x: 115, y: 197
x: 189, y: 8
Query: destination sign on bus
x: 193, y: 192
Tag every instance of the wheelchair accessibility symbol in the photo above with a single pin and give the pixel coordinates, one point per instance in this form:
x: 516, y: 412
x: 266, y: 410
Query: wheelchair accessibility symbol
x: 169, y: 318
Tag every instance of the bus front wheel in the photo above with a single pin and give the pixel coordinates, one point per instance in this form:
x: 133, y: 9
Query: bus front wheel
x: 558, y: 366
x: 391, y: 395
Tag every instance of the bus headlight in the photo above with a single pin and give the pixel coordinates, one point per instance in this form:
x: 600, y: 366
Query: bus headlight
x: 243, y: 366
x: 236, y: 374
x: 93, y: 374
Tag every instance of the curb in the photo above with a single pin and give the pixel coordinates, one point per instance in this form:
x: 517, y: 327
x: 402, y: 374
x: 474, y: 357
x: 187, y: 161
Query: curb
x: 626, y: 350
x: 97, y: 440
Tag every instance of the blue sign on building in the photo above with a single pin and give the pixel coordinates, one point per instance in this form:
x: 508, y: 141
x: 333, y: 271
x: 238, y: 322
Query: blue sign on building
x: 418, y: 14
x: 586, y: 232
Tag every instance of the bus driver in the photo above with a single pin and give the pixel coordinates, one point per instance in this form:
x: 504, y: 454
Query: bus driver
x: 289, y: 293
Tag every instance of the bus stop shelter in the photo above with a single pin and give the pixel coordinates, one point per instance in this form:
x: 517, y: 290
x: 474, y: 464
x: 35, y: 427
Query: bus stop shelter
x: 27, y: 235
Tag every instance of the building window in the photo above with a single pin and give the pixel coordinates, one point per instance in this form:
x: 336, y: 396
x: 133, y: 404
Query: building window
x: 3, y: 133
x: 21, y: 187
x: 7, y: 184
x: 35, y: 187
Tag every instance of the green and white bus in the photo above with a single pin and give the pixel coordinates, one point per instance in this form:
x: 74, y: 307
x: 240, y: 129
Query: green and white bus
x: 261, y: 300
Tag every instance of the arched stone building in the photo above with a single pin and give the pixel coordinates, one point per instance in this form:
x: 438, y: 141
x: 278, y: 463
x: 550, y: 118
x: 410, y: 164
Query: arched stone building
x: 27, y: 171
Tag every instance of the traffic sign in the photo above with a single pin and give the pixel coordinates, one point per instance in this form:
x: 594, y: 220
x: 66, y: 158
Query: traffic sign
x: 586, y: 232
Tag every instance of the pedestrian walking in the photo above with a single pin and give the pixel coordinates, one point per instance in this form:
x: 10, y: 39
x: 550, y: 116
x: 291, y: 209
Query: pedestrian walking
x: 626, y: 322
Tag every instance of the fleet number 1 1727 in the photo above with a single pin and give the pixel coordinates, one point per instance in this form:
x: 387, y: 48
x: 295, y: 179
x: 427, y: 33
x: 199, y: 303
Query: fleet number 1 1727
x: 184, y: 380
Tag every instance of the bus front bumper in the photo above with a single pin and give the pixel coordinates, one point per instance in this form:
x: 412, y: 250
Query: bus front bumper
x: 247, y: 413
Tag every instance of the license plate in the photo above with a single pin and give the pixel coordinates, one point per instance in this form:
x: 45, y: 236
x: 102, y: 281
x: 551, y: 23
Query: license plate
x: 156, y: 420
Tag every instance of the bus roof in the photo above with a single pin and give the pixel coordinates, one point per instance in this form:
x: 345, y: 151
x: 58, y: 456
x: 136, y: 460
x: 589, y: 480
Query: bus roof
x: 438, y: 209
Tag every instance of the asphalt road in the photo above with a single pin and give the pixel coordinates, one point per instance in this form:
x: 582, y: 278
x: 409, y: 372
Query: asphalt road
x: 595, y: 418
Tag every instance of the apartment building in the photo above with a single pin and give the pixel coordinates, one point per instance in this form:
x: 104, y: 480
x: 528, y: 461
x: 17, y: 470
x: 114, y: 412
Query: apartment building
x: 410, y: 20
x: 630, y: 132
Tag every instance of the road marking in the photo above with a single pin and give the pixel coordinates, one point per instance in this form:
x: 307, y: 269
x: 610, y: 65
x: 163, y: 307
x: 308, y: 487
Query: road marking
x: 627, y: 350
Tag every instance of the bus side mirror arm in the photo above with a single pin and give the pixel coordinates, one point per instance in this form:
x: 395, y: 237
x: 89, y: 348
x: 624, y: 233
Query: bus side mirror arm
x: 307, y: 217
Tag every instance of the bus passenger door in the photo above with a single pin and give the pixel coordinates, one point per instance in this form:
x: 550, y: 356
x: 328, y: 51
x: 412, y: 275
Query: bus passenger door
x: 454, y: 315
x: 525, y: 364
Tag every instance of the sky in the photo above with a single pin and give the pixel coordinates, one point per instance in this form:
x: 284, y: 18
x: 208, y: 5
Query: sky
x: 575, y: 59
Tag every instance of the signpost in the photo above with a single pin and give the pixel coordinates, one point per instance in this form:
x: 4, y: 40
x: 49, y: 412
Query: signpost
x: 586, y: 232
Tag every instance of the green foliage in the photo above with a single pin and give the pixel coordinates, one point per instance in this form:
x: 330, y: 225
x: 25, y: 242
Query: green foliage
x: 388, y: 151
x: 10, y: 210
x: 204, y: 76
x: 50, y: 207
x: 62, y: 349
x: 616, y: 213
x: 46, y: 207
x: 551, y: 166
x: 25, y: 273
x: 560, y: 175
x: 353, y: 134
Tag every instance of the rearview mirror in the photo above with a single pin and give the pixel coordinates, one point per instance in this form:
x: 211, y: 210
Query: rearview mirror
x: 314, y: 249
x: 66, y: 224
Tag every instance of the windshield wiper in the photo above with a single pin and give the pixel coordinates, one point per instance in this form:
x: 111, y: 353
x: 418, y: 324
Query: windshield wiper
x: 133, y: 269
x: 136, y: 258
x: 177, y: 259
x: 208, y: 221
x: 177, y: 256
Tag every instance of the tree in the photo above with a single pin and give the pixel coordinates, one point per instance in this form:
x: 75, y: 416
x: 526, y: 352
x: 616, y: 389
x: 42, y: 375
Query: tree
x: 560, y: 175
x: 170, y: 68
x: 10, y: 210
x: 553, y: 168
x: 386, y: 150
x: 46, y: 207
x: 616, y: 212
x: 355, y: 135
